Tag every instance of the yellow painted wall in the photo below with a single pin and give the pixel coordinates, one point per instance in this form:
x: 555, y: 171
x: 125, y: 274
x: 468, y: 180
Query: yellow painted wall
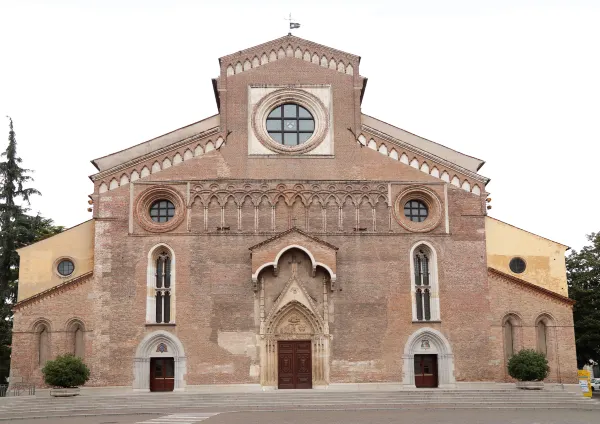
x: 545, y: 259
x: 38, y: 261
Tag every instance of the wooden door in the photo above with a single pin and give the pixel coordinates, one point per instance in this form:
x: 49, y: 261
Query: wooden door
x: 426, y: 371
x: 295, y: 364
x: 162, y: 374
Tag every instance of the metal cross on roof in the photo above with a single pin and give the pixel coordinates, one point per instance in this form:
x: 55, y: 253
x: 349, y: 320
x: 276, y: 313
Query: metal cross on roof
x: 293, y: 25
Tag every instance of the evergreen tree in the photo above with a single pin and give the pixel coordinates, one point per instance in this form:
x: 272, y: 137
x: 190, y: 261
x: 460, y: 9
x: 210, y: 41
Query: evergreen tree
x: 583, y: 277
x: 17, y: 229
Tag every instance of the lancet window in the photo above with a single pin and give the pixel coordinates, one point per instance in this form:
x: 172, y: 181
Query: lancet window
x: 424, y: 287
x: 163, y: 287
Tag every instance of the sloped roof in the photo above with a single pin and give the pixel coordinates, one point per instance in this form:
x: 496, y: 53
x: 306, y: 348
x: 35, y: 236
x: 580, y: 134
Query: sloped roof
x: 54, y: 290
x: 531, y: 286
x: 465, y: 161
x: 117, y: 158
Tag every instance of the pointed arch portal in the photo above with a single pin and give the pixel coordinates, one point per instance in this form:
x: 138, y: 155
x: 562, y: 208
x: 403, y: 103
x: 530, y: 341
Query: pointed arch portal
x: 294, y: 334
x: 428, y: 342
x: 158, y: 344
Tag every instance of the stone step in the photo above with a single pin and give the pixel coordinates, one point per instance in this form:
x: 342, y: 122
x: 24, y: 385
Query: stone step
x: 286, y: 404
x: 168, y: 400
x: 283, y: 401
x: 310, y: 393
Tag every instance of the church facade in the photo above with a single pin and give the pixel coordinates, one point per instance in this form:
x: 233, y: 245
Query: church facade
x: 291, y: 241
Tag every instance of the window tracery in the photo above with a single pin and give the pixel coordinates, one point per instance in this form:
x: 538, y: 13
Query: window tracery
x: 424, y: 287
x: 163, y: 287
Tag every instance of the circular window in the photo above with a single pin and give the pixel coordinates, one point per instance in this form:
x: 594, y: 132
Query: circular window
x: 415, y: 210
x: 517, y: 265
x: 418, y: 209
x: 65, y: 267
x: 162, y: 211
x: 290, y: 121
x: 290, y: 124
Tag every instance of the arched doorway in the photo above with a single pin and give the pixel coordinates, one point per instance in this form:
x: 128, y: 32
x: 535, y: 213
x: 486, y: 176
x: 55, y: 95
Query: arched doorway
x: 295, y: 348
x: 159, y: 363
x: 428, y: 360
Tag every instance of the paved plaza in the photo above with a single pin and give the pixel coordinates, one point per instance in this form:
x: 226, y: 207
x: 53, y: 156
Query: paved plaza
x: 306, y: 406
x: 345, y: 417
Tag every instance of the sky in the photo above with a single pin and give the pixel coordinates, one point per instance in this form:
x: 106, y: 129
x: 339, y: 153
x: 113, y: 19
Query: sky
x: 515, y: 83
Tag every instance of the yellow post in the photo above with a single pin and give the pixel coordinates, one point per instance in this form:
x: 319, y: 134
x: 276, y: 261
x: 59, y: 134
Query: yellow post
x: 584, y: 382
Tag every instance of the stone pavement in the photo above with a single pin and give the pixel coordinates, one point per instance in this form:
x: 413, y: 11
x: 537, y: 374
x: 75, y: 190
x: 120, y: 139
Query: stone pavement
x: 462, y: 416
x: 186, y: 418
x: 289, y: 400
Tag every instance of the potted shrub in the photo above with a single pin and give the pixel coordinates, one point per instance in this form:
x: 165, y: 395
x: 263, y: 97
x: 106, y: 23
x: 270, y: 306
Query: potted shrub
x: 530, y: 368
x: 65, y: 374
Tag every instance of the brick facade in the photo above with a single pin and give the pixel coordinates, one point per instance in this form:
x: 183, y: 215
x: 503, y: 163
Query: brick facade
x: 346, y: 269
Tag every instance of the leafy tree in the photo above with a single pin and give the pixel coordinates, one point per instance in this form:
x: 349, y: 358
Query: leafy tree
x: 66, y: 371
x: 17, y: 229
x: 528, y: 365
x: 583, y: 278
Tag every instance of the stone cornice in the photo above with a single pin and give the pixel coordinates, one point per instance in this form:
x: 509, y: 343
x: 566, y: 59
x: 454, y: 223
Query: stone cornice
x: 530, y: 286
x: 69, y: 284
x: 153, y: 155
x: 426, y: 154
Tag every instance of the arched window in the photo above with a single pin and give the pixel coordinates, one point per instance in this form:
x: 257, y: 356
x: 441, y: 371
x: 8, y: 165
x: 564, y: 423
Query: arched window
x: 542, y: 332
x: 163, y: 287
x: 78, y: 342
x: 425, y: 285
x: 76, y: 332
x: 510, y: 325
x: 161, y: 276
x: 544, y: 335
x: 509, y: 337
x: 43, y: 345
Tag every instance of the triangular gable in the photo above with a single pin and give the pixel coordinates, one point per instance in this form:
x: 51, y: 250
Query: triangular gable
x: 289, y: 46
x: 292, y: 230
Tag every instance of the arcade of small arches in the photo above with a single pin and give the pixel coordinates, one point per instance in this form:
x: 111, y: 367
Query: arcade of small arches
x: 395, y: 152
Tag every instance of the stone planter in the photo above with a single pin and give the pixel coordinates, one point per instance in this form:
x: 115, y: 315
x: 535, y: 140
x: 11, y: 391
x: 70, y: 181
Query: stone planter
x: 64, y: 392
x: 530, y: 385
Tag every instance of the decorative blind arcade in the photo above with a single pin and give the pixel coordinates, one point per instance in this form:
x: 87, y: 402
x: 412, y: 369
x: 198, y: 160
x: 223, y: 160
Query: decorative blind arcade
x: 163, y: 288
x: 422, y: 287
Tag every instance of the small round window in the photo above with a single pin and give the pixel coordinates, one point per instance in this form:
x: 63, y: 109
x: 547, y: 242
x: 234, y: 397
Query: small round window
x: 416, y: 210
x: 517, y: 265
x: 162, y: 211
x: 65, y: 267
x: 290, y: 124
